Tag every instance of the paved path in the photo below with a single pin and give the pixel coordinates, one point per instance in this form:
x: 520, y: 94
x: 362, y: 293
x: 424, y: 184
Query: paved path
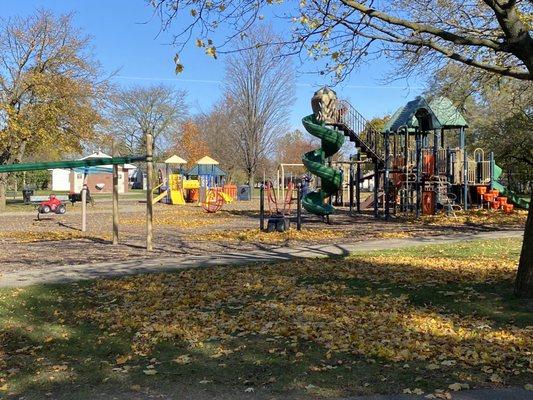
x: 72, y: 273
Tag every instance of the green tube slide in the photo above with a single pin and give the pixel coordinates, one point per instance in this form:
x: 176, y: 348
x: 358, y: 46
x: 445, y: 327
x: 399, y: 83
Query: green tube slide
x: 511, y: 196
x: 314, y: 161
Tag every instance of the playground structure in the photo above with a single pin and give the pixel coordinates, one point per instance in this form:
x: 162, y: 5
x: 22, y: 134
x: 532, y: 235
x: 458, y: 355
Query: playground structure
x: 324, y: 109
x: 283, y: 180
x: 280, y: 205
x: 283, y: 200
x: 171, y: 186
x: 414, y: 167
x: 200, y: 184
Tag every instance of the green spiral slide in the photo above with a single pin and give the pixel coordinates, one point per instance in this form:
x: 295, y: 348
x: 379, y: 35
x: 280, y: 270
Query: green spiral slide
x: 314, y: 161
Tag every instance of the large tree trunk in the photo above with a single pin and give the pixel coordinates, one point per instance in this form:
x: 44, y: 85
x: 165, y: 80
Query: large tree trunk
x: 524, y: 276
x: 3, y: 184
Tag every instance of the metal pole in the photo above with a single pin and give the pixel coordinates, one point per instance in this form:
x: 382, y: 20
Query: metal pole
x: 84, y: 203
x: 115, y: 204
x: 449, y: 165
x: 406, y: 205
x: 358, y: 183
x: 386, y: 175
x: 149, y: 185
x: 491, y: 169
x: 115, y: 199
x: 262, y: 206
x: 376, y: 184
x: 436, y: 152
x: 299, y: 208
x: 465, y: 169
x: 330, y: 198
x: 436, y: 166
x: 418, y: 172
x: 351, y: 187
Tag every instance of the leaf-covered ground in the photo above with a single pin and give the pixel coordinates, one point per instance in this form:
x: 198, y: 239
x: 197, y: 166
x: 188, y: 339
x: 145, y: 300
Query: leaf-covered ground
x: 188, y: 230
x: 425, y: 320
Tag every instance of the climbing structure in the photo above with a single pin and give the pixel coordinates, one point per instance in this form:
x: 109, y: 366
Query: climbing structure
x: 411, y: 160
x: 324, y: 109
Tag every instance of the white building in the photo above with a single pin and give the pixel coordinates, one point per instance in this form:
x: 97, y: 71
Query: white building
x: 99, y: 178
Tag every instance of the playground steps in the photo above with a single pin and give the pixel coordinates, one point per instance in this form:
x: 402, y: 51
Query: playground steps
x: 494, y: 200
x: 361, y: 132
x: 512, y: 197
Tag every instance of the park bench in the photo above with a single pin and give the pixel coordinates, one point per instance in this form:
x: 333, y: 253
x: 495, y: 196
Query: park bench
x: 11, y: 193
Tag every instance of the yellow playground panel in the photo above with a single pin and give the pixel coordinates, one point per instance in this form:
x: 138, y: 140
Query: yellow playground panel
x: 191, y: 184
x: 176, y: 193
x: 176, y: 188
x: 227, y: 198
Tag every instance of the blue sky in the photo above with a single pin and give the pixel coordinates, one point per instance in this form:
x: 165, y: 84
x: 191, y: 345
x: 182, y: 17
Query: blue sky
x: 125, y: 38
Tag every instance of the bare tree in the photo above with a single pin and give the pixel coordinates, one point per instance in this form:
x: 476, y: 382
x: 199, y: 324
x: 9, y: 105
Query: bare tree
x: 492, y: 35
x: 49, y: 87
x: 138, y: 110
x: 292, y: 145
x: 260, y: 86
x: 218, y: 130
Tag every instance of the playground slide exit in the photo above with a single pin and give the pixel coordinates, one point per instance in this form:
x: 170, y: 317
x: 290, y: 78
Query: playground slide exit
x: 314, y: 161
x: 511, y: 196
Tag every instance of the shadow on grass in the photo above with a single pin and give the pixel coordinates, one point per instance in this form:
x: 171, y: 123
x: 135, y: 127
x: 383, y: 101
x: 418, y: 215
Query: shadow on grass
x: 47, y: 348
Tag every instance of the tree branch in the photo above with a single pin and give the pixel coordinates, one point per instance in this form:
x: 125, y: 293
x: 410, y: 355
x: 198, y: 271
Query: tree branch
x: 425, y: 28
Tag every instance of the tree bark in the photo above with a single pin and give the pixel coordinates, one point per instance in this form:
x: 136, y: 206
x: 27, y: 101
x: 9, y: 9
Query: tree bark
x: 524, y: 276
x: 3, y: 181
x: 251, y: 175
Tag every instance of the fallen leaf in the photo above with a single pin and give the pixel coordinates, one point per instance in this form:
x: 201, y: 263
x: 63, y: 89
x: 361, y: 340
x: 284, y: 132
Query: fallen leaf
x: 121, y: 360
x: 149, y: 371
x: 183, y: 359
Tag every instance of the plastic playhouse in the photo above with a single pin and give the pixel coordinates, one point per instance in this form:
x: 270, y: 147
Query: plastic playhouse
x: 203, y: 184
x: 418, y: 162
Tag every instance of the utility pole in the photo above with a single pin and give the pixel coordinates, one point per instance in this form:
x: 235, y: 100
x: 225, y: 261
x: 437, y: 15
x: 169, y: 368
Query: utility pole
x: 149, y: 185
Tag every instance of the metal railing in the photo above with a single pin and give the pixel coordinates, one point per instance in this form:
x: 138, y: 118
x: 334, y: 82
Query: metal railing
x: 368, y: 136
x: 478, y: 172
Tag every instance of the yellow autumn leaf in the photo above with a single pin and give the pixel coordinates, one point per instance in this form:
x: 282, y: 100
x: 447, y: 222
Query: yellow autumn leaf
x: 121, y: 360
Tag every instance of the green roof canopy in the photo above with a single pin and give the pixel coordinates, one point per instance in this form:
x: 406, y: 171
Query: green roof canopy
x: 439, y: 113
x: 88, y: 162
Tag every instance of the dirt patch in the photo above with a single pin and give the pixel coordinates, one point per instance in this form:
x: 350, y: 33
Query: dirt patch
x: 179, y: 230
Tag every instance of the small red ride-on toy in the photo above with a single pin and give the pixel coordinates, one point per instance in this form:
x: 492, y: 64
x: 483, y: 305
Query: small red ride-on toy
x: 53, y: 204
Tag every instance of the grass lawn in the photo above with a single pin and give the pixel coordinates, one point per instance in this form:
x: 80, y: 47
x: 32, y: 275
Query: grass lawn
x: 401, y: 321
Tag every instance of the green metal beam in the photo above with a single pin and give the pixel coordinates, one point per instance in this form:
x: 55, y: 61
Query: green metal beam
x: 90, y: 162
